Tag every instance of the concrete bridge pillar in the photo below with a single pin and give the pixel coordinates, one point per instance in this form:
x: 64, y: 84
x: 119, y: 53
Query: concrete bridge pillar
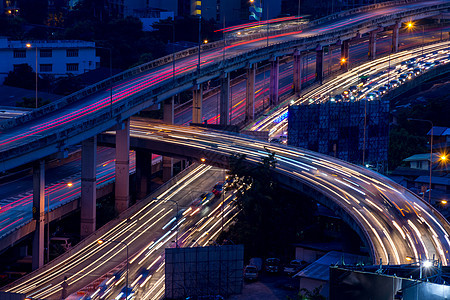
x: 122, y: 189
x: 169, y: 119
x: 372, y: 45
x: 88, y: 186
x: 395, y: 30
x: 224, y: 101
x: 274, y: 81
x: 319, y: 64
x: 197, y: 102
x: 344, y: 55
x: 38, y: 213
x: 250, y: 93
x: 143, y: 173
x: 297, y: 72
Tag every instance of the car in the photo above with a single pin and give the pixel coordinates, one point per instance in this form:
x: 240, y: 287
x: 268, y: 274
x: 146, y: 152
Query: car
x: 346, y: 94
x: 417, y: 71
x: 275, y: 140
x: 294, y: 266
x: 394, y: 83
x: 61, y: 242
x: 353, y: 89
x: 218, y: 188
x: 403, y: 77
x: 142, y: 279
x: 382, y: 90
x: 372, y: 95
x: 126, y: 293
x: 337, y: 98
x: 272, y: 265
x: 250, y: 273
x: 198, y: 203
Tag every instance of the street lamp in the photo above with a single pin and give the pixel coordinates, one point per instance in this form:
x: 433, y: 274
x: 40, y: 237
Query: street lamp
x: 101, y: 241
x: 423, y: 263
x: 36, y: 71
x: 199, y: 41
x: 110, y: 76
x: 431, y: 152
x: 69, y: 184
x: 176, y: 221
x: 173, y: 49
x: 410, y: 25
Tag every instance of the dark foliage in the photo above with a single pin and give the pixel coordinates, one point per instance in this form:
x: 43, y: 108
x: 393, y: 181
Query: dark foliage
x: 34, y: 11
x: 271, y: 218
x: 31, y: 102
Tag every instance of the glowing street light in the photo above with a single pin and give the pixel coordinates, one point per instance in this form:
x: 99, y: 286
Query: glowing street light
x: 101, y: 241
x: 444, y: 202
x: 28, y: 45
x: 203, y: 159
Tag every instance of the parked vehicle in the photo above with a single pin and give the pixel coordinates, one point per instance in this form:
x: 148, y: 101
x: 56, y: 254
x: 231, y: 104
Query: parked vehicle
x: 256, y: 261
x: 250, y: 273
x: 273, y: 265
x: 294, y: 266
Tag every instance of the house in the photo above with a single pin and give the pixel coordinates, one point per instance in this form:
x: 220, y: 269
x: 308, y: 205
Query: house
x: 56, y: 58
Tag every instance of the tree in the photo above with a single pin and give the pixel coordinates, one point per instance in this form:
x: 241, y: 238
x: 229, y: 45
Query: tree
x: 22, y: 77
x: 31, y: 102
x: 271, y: 218
x: 34, y: 11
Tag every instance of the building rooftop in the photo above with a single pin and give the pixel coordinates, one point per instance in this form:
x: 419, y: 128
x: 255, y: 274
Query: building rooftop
x: 438, y: 131
x: 421, y: 157
x: 434, y: 180
x: 5, y: 43
x: 320, y: 269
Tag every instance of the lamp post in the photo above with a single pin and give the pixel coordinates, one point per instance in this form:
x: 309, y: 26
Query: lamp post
x: 176, y: 220
x: 101, y: 241
x: 48, y: 222
x: 173, y: 48
x: 427, y: 263
x: 110, y: 76
x: 431, y: 152
x: 199, y: 41
x: 410, y: 25
x: 36, y: 71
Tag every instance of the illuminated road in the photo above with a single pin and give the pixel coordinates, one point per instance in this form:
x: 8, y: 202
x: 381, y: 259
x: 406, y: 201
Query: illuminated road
x: 147, y: 229
x: 396, y: 223
x: 62, y: 121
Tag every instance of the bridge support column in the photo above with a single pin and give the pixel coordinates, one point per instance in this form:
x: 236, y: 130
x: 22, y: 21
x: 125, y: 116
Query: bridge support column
x: 38, y: 213
x: 224, y: 101
x: 344, y: 55
x: 250, y: 93
x: 274, y: 81
x: 372, y: 45
x: 197, y: 102
x: 394, y: 46
x: 122, y: 196
x: 319, y: 64
x: 297, y: 72
x: 88, y: 186
x: 143, y: 173
x: 168, y: 161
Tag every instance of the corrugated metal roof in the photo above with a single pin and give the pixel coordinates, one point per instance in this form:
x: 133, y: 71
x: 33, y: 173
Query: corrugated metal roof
x: 320, y: 268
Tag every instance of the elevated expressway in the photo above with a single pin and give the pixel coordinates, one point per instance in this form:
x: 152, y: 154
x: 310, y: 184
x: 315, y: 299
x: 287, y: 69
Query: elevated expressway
x: 393, y: 222
x: 72, y: 119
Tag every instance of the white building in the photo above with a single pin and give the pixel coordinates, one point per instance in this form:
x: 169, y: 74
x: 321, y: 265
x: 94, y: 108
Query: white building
x: 57, y: 58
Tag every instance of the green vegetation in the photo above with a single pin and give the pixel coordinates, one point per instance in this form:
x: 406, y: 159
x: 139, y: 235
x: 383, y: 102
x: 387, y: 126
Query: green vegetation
x: 271, y: 218
x: 31, y: 102
x: 410, y: 137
